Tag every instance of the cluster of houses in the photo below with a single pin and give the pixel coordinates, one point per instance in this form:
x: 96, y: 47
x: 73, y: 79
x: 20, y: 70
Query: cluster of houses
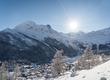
x: 30, y: 72
x: 25, y: 72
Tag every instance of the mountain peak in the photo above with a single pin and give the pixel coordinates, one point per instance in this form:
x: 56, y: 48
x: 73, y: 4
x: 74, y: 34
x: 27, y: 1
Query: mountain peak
x: 27, y: 24
x: 31, y: 25
x: 32, y: 29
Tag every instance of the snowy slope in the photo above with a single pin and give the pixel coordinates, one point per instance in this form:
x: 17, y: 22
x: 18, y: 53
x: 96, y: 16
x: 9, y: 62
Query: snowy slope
x: 96, y: 73
x: 13, y: 40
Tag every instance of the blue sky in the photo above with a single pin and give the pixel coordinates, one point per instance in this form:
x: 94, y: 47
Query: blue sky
x: 90, y: 14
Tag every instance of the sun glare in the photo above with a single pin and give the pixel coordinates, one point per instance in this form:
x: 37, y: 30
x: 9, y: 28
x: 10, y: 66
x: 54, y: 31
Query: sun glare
x: 72, y: 26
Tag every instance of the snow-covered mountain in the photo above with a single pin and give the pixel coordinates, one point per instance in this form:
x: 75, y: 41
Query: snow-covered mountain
x: 97, y: 37
x: 37, y: 43
x: 40, y: 32
x: 98, y: 72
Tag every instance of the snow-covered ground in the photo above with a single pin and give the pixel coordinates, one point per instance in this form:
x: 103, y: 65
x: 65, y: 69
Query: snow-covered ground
x: 96, y: 73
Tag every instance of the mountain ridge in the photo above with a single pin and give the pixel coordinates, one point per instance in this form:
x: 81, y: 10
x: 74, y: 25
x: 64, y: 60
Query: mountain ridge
x: 34, y: 44
x: 96, y: 37
x: 38, y: 43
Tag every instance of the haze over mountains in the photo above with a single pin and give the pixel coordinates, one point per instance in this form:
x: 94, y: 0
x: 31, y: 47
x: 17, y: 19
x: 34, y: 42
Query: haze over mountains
x: 38, y: 43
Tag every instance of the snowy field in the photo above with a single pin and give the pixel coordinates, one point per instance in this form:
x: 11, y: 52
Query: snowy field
x: 96, y: 73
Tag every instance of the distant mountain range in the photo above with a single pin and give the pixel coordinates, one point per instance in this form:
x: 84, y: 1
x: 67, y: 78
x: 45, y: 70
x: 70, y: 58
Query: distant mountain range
x: 38, y: 43
x: 98, y: 37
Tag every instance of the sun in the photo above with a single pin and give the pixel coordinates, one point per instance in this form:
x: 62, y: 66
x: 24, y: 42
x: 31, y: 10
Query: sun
x: 72, y: 26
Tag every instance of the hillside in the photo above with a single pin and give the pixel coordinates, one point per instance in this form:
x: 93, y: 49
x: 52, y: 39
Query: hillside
x: 96, y: 73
